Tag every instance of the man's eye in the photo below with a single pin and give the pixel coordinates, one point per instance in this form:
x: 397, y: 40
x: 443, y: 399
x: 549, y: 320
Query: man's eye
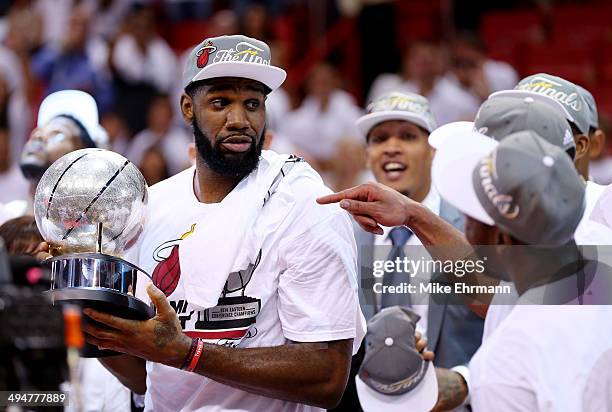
x: 253, y: 104
x: 377, y: 139
x: 219, y: 103
x: 409, y: 136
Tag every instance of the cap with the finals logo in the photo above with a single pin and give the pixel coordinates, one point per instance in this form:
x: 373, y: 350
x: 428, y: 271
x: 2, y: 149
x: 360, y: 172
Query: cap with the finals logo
x: 560, y: 94
x: 592, y: 106
x: 502, y: 116
x: 393, y: 376
x: 232, y: 56
x: 409, y: 107
x: 524, y: 185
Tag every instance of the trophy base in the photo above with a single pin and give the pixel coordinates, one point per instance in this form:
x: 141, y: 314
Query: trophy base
x: 103, y: 300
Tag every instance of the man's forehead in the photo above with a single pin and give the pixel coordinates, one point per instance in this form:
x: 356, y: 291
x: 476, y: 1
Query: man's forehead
x: 395, y: 123
x: 60, y: 122
x: 233, y: 84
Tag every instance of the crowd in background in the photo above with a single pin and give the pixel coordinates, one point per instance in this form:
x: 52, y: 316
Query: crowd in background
x: 115, y: 51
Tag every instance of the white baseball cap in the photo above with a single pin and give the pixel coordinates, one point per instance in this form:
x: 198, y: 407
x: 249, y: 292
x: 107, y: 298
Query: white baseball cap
x: 439, y: 136
x: 409, y: 107
x: 452, y: 167
x: 232, y: 56
x: 78, y: 105
x: 393, y: 375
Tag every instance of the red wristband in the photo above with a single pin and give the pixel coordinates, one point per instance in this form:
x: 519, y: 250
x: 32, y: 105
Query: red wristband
x: 196, y: 356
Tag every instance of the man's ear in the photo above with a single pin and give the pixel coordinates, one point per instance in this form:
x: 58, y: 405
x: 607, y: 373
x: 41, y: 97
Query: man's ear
x: 598, y: 142
x: 187, y: 108
x: 582, y: 146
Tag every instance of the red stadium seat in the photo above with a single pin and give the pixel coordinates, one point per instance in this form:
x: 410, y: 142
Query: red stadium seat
x: 574, y: 64
x: 505, y: 32
x: 581, y: 25
x: 603, y: 98
x: 185, y: 35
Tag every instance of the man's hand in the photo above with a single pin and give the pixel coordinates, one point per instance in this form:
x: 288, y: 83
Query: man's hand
x: 421, y: 346
x: 42, y: 251
x: 159, y: 339
x: 452, y: 390
x: 372, y: 205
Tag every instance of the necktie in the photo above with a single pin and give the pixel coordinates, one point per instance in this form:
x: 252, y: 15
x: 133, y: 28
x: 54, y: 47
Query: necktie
x: 399, y: 236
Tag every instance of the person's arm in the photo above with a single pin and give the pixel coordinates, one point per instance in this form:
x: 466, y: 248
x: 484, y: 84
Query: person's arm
x: 374, y: 204
x: 311, y: 373
x: 129, y: 370
x: 452, y: 390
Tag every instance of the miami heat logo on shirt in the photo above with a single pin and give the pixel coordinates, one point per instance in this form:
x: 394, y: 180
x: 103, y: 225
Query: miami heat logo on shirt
x: 168, y: 271
x: 225, y: 324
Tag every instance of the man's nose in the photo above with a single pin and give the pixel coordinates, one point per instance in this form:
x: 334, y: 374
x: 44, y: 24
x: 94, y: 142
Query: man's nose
x: 237, y: 119
x: 392, y: 146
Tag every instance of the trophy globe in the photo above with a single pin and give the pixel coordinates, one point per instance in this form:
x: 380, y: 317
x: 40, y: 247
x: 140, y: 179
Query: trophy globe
x: 90, y: 207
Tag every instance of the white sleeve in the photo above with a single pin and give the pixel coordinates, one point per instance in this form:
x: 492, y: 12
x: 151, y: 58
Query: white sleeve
x: 502, y: 398
x: 318, y: 290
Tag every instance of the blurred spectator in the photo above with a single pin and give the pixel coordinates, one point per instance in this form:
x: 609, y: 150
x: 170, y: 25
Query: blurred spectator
x: 256, y: 23
x: 162, y: 148
x: 600, y: 167
x: 56, y: 15
x: 15, y: 112
x: 106, y: 16
x: 179, y: 10
x: 24, y: 31
x: 20, y: 235
x: 117, y: 131
x: 278, y: 102
x: 474, y: 72
x: 23, y: 37
x: 153, y: 165
x: 423, y: 73
x: 323, y: 127
x: 141, y: 55
x: 78, y: 63
x: 144, y: 65
x: 222, y: 23
x: 12, y: 183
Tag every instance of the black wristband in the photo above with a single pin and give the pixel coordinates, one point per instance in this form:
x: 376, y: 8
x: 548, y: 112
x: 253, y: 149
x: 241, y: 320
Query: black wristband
x: 192, y: 351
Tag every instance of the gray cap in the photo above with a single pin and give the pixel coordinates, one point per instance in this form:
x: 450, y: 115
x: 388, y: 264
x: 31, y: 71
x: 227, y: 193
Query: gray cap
x: 410, y: 107
x: 591, y: 105
x: 392, y: 367
x: 502, y: 116
x: 530, y: 189
x: 232, y: 56
x: 564, y: 92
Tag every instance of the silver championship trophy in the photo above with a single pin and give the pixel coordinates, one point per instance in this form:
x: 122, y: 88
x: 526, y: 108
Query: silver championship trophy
x: 90, y: 207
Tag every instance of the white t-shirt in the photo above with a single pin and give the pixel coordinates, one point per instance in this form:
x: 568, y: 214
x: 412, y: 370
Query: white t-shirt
x: 587, y: 233
x: 303, y: 288
x: 541, y: 357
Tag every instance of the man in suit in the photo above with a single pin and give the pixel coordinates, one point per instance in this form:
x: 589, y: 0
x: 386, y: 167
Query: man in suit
x: 396, y: 129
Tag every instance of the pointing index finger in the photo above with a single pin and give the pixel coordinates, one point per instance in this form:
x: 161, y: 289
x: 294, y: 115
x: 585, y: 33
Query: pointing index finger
x: 352, y: 193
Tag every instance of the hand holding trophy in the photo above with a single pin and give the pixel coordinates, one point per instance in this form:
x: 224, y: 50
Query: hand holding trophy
x: 90, y: 207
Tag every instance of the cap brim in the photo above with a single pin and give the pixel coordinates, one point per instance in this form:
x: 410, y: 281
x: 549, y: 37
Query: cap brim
x: 452, y: 169
x: 521, y: 94
x: 422, y: 398
x: 439, y: 136
x: 271, y: 76
x: 75, y: 103
x: 367, y: 122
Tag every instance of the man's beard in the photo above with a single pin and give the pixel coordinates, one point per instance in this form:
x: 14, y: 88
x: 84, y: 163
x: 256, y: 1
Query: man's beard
x: 222, y: 163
